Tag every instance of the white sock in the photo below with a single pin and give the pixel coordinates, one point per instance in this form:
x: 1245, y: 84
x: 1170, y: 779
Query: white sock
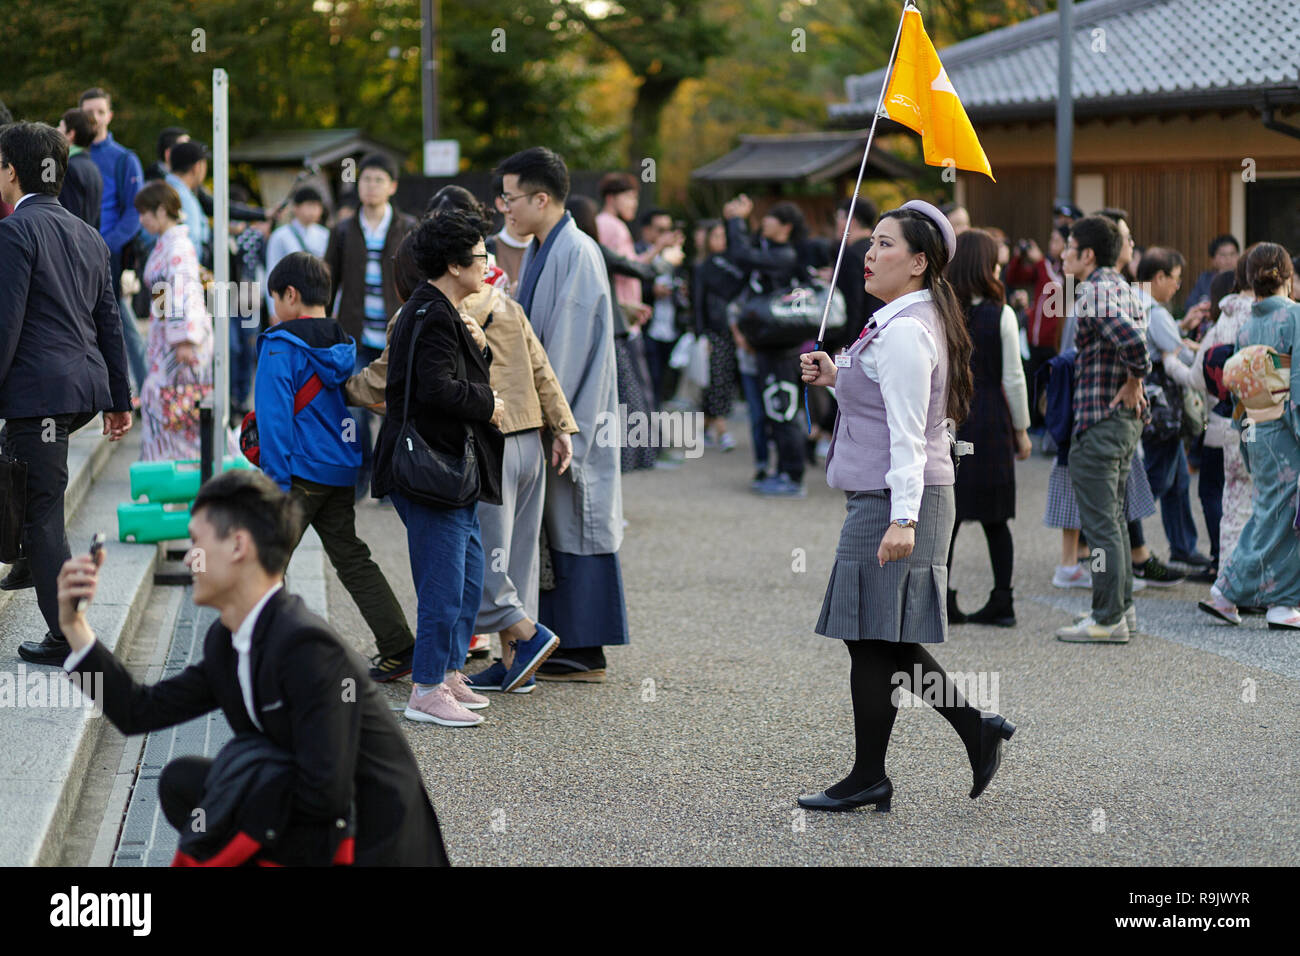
x: 422, y: 689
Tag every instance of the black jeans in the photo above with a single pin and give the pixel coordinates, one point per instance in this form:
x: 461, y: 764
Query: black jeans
x: 332, y: 512
x: 43, y: 444
x: 778, y: 377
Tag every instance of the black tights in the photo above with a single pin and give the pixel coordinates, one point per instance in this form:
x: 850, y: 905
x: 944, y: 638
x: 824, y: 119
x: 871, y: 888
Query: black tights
x: 1001, y: 551
x: 879, y: 668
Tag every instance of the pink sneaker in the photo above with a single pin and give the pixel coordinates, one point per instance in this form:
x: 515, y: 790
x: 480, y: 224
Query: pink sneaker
x: 439, y: 707
x: 458, y: 684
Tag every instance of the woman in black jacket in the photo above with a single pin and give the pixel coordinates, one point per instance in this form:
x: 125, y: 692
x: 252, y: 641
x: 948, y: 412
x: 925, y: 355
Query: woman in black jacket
x: 450, y: 392
x: 718, y: 281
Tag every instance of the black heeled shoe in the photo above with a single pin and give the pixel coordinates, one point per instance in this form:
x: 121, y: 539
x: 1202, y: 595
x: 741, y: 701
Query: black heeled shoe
x: 878, y: 793
x: 993, y: 730
x: 955, y: 616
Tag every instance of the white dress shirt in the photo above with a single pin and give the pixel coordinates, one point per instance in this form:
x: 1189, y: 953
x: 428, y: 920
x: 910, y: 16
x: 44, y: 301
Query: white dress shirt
x: 20, y: 200
x: 900, y: 359
x: 242, y: 640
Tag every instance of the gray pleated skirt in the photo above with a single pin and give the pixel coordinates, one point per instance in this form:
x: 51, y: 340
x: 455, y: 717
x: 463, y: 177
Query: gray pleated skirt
x: 905, y: 601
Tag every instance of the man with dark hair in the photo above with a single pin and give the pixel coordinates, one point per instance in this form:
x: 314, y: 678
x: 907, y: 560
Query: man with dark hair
x: 308, y: 440
x: 1109, y: 403
x: 5, y: 119
x: 189, y: 168
x: 83, y: 186
x: 1223, y: 251
x: 167, y: 138
x: 120, y: 169
x: 62, y: 358
x: 360, y: 257
x: 302, y: 233
x: 318, y: 772
x: 119, y: 223
x: 506, y: 246
x: 565, y: 292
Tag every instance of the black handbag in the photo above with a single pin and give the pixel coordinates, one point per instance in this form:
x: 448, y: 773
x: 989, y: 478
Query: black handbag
x: 426, y: 476
x: 786, y: 318
x: 13, y: 506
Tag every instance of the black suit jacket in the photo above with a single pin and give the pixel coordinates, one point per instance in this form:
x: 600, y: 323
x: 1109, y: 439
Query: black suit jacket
x: 61, y: 345
x: 314, y: 698
x: 442, y: 402
x: 83, y: 189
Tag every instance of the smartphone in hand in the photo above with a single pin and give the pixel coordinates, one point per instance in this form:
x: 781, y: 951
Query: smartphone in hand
x: 96, y: 546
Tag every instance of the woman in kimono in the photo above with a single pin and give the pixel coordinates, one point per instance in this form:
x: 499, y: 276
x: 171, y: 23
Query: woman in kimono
x: 899, y: 387
x: 1264, y: 568
x: 179, y: 347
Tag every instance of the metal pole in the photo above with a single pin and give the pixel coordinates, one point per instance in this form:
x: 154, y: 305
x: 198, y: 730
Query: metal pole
x: 862, y: 168
x: 220, y: 262
x: 1065, y: 106
x: 429, y: 68
x: 853, y: 202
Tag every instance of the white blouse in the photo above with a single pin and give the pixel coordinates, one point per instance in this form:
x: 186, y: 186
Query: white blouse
x: 1013, y: 369
x: 900, y: 359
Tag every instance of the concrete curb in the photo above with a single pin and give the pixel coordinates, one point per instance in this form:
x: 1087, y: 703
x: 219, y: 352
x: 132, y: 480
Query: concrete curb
x: 45, y: 747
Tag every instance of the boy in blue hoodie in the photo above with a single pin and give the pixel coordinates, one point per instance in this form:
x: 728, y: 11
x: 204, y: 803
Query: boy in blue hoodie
x: 309, y: 443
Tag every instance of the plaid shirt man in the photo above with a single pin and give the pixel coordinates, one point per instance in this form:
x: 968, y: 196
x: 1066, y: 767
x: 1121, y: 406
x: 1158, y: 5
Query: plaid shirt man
x: 1112, y: 343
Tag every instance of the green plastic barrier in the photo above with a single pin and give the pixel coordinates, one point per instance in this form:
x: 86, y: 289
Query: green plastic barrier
x: 173, y: 482
x: 151, y: 523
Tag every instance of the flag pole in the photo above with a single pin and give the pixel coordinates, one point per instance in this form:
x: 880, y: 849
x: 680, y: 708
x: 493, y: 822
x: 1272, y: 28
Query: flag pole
x: 853, y: 202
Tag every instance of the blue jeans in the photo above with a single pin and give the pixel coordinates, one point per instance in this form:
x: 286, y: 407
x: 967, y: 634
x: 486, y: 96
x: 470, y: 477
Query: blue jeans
x: 757, y: 418
x: 243, y: 351
x: 1210, y: 488
x: 365, y: 355
x: 447, y: 568
x: 1166, y: 466
x: 136, y: 361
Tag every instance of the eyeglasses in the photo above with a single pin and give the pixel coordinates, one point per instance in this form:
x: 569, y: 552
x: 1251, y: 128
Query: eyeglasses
x: 479, y: 255
x: 508, y: 199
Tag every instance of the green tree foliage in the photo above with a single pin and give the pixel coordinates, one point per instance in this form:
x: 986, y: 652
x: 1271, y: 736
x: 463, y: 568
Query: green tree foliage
x: 303, y: 64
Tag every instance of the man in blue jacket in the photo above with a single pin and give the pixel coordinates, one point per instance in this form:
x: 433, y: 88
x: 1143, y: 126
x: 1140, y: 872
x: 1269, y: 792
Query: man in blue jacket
x: 309, y: 443
x: 118, y: 221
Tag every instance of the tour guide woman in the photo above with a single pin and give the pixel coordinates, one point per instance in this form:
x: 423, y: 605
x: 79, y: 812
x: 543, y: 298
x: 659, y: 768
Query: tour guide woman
x: 896, y: 386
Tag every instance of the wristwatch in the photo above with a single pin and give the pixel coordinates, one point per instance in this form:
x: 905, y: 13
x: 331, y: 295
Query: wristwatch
x: 904, y: 522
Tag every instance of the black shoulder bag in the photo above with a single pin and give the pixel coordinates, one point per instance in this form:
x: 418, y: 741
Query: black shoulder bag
x: 429, y: 477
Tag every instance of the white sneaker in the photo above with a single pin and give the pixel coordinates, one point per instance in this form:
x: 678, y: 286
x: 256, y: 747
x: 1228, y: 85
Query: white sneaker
x: 1130, y: 619
x: 1282, y: 618
x: 1074, y: 576
x: 1088, y: 631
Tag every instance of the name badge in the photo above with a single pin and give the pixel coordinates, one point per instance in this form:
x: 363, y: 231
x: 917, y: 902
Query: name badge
x: 843, y: 360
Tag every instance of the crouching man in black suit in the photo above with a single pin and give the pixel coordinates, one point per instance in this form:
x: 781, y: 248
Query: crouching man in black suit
x: 318, y: 755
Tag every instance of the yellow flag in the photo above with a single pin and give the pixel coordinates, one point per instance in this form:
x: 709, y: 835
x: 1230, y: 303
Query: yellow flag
x: 921, y: 97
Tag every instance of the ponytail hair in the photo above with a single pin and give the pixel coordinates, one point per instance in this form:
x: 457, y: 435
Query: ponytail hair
x: 922, y: 235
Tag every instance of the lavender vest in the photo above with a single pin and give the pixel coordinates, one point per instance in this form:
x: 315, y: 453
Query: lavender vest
x: 858, y: 459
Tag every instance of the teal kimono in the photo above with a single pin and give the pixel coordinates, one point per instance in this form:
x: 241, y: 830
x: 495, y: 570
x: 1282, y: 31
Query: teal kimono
x: 1264, y: 569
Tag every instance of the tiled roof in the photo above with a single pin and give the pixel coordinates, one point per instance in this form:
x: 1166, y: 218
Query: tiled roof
x: 298, y: 145
x: 802, y: 156
x: 1130, y: 57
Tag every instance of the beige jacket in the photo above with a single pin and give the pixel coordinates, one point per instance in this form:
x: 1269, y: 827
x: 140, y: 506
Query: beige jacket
x: 520, y: 371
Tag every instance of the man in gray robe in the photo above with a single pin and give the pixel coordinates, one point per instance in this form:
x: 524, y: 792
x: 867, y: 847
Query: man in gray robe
x: 565, y: 291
